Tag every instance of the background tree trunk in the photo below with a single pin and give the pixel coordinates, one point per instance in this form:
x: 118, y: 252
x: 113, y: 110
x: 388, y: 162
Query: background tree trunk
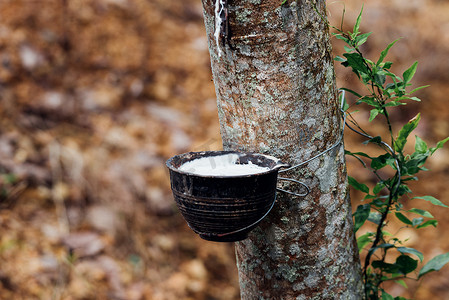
x: 276, y: 94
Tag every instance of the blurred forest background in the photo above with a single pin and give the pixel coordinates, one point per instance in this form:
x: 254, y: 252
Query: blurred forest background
x: 95, y: 95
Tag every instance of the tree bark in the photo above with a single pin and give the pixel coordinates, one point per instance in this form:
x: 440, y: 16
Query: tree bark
x: 276, y: 94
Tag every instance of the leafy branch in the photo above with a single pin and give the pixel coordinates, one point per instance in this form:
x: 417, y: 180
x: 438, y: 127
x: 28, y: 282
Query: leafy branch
x: 386, y: 91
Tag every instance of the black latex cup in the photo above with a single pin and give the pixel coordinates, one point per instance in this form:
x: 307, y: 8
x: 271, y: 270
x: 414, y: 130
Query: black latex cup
x: 224, y: 208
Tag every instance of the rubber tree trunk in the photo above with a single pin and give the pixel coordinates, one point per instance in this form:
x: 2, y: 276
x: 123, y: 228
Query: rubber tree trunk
x: 275, y: 85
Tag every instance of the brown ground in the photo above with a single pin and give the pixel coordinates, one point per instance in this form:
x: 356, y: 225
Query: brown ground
x: 97, y: 94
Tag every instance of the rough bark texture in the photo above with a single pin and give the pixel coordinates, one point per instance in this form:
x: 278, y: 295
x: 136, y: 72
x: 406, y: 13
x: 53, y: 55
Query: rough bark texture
x: 276, y: 94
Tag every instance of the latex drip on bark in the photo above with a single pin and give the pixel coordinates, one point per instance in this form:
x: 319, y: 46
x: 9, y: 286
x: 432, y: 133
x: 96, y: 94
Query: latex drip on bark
x: 220, y: 19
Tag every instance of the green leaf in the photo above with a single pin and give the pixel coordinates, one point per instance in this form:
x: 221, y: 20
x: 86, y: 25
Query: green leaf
x: 386, y: 296
x: 347, y: 152
x: 421, y: 212
x: 401, y: 282
x: 432, y: 200
x: 352, y: 92
x: 417, y: 221
x: 368, y: 196
x: 404, y: 250
x: 375, y: 140
x: 381, y: 161
x: 387, y: 65
x: 407, y: 98
x: 384, y: 53
x: 379, y: 79
x: 413, y: 178
x: 378, y: 264
x: 410, y: 72
x: 348, y: 49
x: 343, y: 103
x: 416, y: 160
x: 339, y: 58
x: 342, y: 37
x: 434, y: 264
x: 357, y: 185
x: 406, y: 264
x: 386, y: 267
x: 404, y: 189
x: 356, y: 62
x: 385, y: 246
x: 364, y: 240
x: 374, y: 217
x: 369, y: 100
x: 434, y: 223
x: 379, y: 186
x: 357, y: 23
x: 440, y: 144
x: 394, y: 103
x: 403, y: 218
x: 419, y: 88
x: 361, y: 39
x: 361, y: 215
x: 386, y: 233
x: 399, y: 206
x: 420, y: 145
x: 373, y: 114
x: 405, y: 132
x: 378, y: 203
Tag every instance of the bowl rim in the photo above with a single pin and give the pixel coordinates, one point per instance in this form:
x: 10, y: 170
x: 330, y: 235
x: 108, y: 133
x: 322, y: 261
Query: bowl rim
x: 279, y: 163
